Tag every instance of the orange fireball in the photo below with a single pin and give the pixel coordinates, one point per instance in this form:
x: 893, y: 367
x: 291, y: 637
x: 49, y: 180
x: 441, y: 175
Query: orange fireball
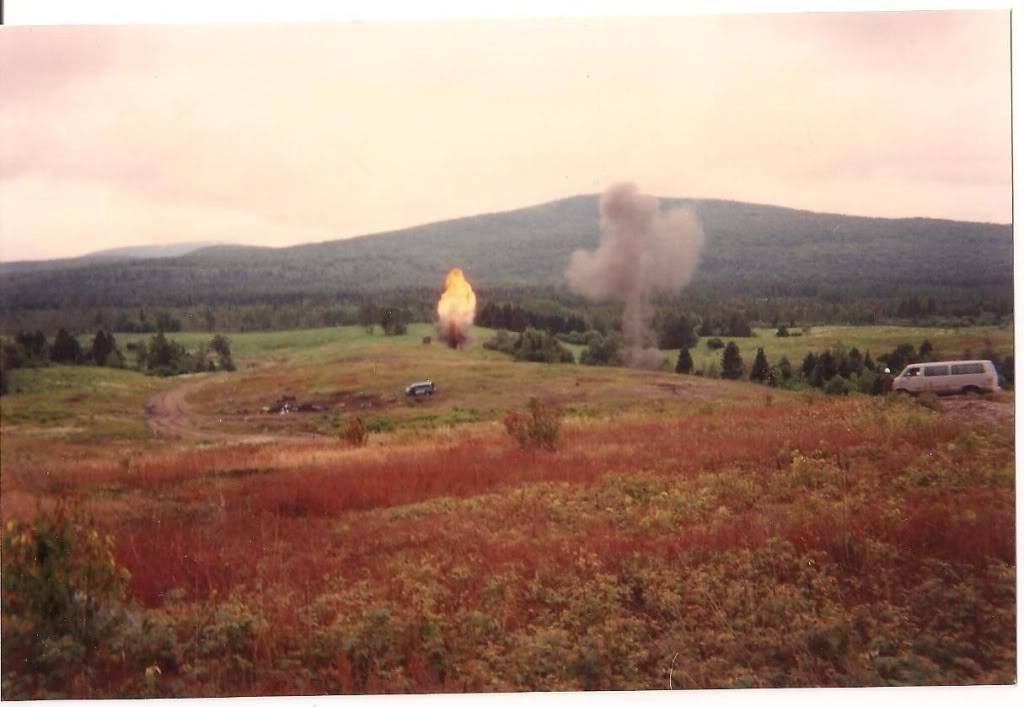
x: 456, y: 308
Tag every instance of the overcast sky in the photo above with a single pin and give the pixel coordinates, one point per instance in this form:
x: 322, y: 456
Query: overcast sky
x: 282, y: 134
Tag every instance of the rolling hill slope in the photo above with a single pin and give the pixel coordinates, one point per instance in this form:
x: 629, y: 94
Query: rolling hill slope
x: 141, y: 252
x: 749, y: 250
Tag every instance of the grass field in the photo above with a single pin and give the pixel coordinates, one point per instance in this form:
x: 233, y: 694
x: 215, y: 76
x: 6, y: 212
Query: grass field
x: 876, y: 340
x: 704, y: 532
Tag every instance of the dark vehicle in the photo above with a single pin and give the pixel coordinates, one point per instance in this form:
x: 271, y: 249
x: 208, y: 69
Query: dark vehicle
x: 422, y: 388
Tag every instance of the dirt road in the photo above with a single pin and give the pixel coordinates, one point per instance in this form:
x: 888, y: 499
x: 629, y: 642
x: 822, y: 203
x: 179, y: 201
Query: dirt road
x: 168, y: 414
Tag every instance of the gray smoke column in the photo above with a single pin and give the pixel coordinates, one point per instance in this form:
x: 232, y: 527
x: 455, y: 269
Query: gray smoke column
x: 642, y: 251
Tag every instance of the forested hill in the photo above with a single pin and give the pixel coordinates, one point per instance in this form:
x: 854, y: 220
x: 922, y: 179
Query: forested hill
x: 750, y: 250
x: 110, y: 255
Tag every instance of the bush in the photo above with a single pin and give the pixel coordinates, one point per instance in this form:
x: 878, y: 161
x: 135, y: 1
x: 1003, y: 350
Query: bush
x: 541, y: 347
x: 531, y: 345
x: 501, y: 341
x: 837, y: 385
x: 867, y: 382
x: 381, y: 424
x: 63, y: 598
x: 538, y: 427
x: 578, y: 338
x: 715, y: 343
x: 602, y: 351
x: 355, y: 431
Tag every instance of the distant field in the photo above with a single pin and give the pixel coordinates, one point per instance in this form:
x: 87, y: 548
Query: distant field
x: 352, y: 371
x: 262, y: 344
x: 876, y: 339
x: 947, y: 343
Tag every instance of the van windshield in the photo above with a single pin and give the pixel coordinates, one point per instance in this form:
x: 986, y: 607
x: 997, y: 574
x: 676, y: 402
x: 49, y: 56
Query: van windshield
x: 910, y: 372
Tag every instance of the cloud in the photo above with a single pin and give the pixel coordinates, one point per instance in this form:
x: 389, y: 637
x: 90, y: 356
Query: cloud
x: 349, y: 128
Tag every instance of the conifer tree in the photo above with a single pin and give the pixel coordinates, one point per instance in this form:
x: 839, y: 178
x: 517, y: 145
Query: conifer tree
x: 759, y: 371
x: 732, y: 362
x: 685, y: 362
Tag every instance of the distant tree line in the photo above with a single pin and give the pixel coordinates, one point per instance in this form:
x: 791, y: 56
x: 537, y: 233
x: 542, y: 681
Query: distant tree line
x: 839, y: 370
x: 513, y: 317
x: 715, y: 311
x: 531, y: 345
x: 158, y: 356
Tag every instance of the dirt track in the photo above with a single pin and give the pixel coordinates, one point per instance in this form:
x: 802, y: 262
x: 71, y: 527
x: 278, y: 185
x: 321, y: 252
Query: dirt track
x: 168, y: 414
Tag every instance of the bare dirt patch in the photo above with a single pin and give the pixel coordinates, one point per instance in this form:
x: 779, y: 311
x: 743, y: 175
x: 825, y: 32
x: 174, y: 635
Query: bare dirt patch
x: 351, y: 400
x: 684, y: 388
x: 169, y: 414
x: 982, y: 410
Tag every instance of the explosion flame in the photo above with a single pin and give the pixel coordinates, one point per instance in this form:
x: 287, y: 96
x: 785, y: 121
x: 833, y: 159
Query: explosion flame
x: 456, y: 309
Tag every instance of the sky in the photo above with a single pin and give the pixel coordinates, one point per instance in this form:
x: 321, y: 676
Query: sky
x: 288, y: 133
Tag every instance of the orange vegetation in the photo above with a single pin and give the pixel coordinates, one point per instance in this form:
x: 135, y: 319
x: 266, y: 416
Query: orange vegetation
x: 810, y: 542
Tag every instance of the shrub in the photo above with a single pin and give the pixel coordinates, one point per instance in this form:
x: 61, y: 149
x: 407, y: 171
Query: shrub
x: 602, y: 351
x: 578, y: 338
x: 63, y: 598
x: 715, y: 343
x: 355, y: 431
x: 381, y: 424
x: 837, y: 385
x: 867, y: 382
x: 538, y: 427
x: 501, y: 342
x: 541, y: 347
x: 531, y: 345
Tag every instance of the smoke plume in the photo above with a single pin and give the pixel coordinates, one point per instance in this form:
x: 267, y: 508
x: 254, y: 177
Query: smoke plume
x: 642, y: 251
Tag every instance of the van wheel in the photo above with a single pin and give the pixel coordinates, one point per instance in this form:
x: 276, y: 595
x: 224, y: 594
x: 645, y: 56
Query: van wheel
x: 971, y: 389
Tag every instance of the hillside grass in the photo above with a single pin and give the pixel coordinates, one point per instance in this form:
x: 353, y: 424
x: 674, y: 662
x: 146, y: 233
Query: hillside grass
x: 704, y: 532
x: 353, y: 371
x: 811, y: 542
x: 82, y: 400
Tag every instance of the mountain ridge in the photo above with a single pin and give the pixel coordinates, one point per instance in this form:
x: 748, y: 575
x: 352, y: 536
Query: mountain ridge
x: 750, y: 248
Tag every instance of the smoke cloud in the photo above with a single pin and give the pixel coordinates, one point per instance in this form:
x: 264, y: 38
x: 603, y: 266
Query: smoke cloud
x: 642, y: 251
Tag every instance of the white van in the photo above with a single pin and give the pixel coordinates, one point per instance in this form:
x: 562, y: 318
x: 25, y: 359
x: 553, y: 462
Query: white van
x: 941, y: 377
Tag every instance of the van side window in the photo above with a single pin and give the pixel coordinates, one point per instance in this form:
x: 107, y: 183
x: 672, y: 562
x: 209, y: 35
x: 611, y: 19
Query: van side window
x: 936, y: 371
x: 962, y: 369
x: 911, y: 372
